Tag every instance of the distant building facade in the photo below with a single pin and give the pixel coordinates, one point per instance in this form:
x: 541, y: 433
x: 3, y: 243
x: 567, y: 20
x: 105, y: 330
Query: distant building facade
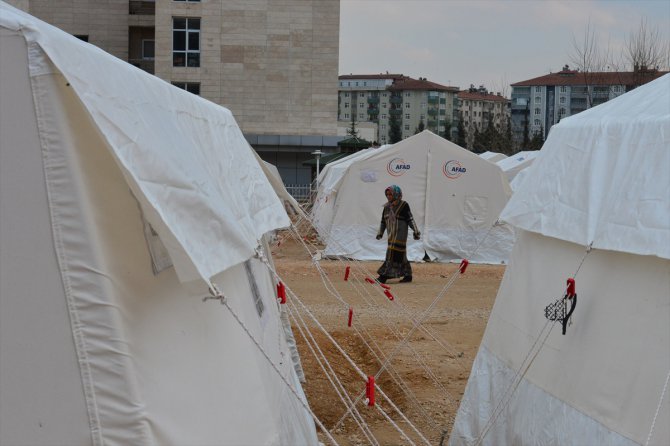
x: 476, y: 106
x: 374, y: 98
x: 543, y: 101
x: 273, y: 64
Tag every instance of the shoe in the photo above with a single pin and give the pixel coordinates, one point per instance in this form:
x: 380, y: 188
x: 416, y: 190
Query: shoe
x: 406, y: 279
x: 381, y: 279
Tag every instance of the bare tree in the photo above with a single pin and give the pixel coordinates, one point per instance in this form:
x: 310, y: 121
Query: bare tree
x: 590, y: 59
x: 645, y: 49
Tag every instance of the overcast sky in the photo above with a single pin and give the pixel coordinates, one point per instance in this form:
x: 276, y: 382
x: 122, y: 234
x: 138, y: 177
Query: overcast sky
x: 483, y: 42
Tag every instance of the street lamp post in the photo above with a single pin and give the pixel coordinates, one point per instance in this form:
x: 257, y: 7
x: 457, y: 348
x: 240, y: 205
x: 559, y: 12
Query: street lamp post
x: 318, y: 154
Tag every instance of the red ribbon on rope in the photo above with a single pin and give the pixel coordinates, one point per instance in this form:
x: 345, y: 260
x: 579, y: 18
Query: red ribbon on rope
x: 388, y: 294
x: 368, y: 280
x: 281, y: 293
x: 346, y: 273
x: 571, y: 287
x: 464, y: 266
x: 351, y: 316
x: 383, y: 285
x: 370, y: 390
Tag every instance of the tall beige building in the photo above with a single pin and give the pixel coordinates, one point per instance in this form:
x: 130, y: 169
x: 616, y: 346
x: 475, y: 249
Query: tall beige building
x: 273, y: 63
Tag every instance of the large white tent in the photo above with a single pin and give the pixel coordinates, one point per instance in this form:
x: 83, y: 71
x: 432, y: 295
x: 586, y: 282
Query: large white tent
x: 455, y: 197
x: 108, y: 176
x: 595, y: 207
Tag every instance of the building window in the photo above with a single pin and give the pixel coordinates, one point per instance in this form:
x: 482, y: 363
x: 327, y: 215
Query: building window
x: 564, y: 89
x: 346, y: 116
x: 383, y: 126
x: 408, y: 94
x: 538, y: 89
x: 561, y: 113
x: 383, y: 116
x: 362, y: 94
x: 383, y: 104
x: 537, y: 122
x: 407, y: 116
x: 191, y: 87
x: 407, y: 105
x: 346, y: 105
x: 148, y: 46
x: 538, y: 111
x: 346, y: 94
x: 538, y: 99
x: 361, y: 116
x: 406, y: 126
x: 361, y: 105
x: 383, y: 95
x: 185, y: 42
x: 617, y: 88
x: 562, y: 100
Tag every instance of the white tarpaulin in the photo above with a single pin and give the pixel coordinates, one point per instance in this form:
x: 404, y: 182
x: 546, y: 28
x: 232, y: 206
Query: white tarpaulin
x: 493, y: 157
x: 455, y: 197
x: 184, y: 157
x: 514, y: 164
x: 100, y: 341
x: 601, y: 179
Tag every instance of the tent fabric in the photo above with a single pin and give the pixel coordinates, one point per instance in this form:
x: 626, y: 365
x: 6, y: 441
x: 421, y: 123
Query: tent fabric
x: 582, y: 212
x: 603, y: 178
x: 456, y: 210
x: 188, y: 181
x: 493, y: 157
x: 601, y: 382
x: 516, y: 163
x: 98, y: 347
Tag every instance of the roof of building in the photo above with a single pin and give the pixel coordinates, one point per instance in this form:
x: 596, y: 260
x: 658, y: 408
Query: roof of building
x: 575, y: 77
x: 402, y: 82
x: 407, y: 83
x: 371, y: 76
x: 476, y: 96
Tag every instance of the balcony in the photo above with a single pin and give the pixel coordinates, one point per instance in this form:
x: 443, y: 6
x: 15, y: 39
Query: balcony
x: 433, y: 100
x: 395, y: 99
x: 432, y: 123
x: 395, y: 111
x: 373, y: 99
x: 432, y: 112
x: 139, y: 7
x: 373, y: 111
x: 143, y: 64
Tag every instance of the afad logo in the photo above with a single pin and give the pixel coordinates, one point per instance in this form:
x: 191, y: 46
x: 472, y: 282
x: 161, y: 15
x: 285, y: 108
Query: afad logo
x: 397, y: 167
x: 453, y: 169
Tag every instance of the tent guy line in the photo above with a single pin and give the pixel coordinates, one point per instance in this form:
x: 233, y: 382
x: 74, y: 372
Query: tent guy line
x: 516, y: 380
x: 352, y: 363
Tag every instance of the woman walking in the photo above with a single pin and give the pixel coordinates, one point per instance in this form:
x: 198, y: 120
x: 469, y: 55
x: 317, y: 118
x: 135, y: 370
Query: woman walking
x: 396, y: 218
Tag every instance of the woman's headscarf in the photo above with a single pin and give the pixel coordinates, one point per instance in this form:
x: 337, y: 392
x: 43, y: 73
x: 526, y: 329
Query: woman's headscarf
x: 395, y: 190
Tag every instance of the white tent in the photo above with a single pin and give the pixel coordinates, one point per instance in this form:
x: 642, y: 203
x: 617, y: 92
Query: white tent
x: 602, y: 180
x: 516, y: 163
x: 329, y: 182
x: 455, y: 197
x: 493, y: 157
x: 107, y: 176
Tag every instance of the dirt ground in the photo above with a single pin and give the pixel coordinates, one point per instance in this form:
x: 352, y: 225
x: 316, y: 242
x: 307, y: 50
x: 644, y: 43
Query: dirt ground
x: 428, y: 367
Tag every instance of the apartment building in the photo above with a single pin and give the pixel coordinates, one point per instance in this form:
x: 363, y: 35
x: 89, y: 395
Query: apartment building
x: 543, y: 101
x: 374, y: 98
x: 273, y: 63
x: 476, y: 106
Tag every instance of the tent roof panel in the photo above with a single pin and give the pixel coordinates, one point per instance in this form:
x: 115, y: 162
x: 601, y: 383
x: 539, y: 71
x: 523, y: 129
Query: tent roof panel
x: 603, y: 176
